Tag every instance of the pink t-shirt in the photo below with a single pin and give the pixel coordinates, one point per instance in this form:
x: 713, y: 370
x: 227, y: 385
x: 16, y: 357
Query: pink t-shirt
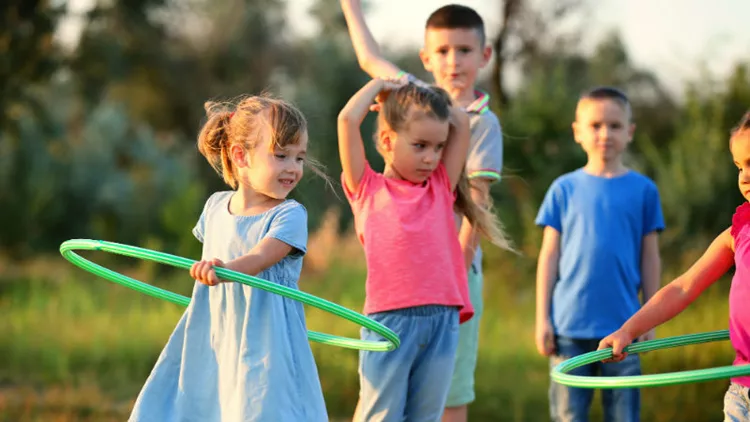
x: 739, y: 294
x: 411, y: 243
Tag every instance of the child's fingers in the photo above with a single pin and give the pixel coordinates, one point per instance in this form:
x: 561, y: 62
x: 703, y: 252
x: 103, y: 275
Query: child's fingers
x: 216, y: 263
x: 394, y: 83
x: 615, y: 359
x: 192, y: 270
x: 205, y: 272
x: 541, y: 347
x: 550, y: 343
x: 213, y: 278
x: 617, y: 346
x: 196, y: 271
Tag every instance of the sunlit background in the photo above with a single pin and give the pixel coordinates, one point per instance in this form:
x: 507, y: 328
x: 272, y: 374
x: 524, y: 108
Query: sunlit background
x: 100, y: 104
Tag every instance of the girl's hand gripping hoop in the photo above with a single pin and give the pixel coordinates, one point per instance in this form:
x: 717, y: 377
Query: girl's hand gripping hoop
x: 67, y: 249
x: 560, y: 373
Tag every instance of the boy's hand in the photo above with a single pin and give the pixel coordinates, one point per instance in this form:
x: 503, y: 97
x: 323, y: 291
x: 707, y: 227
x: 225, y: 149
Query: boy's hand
x: 203, y: 271
x: 545, y: 338
x: 617, y: 341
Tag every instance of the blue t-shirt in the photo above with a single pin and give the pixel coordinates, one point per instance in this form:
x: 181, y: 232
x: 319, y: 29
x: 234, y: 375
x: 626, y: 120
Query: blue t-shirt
x: 602, y: 222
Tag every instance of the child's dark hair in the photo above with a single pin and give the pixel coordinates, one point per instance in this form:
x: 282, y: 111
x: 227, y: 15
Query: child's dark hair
x: 607, y: 93
x: 456, y: 16
x: 414, y: 101
x: 253, y: 118
x: 742, y: 128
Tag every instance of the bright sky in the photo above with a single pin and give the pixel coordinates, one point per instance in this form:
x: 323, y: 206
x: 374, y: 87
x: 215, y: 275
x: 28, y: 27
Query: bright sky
x: 674, y: 38
x: 677, y: 39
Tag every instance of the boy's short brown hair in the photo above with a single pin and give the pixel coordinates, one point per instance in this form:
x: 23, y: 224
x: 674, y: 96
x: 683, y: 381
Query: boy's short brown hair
x: 607, y: 93
x: 456, y: 16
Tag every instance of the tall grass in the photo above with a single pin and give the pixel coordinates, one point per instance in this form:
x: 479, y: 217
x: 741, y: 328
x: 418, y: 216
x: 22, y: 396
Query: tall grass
x: 75, y: 347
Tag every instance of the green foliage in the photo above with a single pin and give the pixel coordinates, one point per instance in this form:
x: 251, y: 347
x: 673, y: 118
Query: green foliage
x: 110, y: 180
x: 28, y: 57
x: 100, y: 142
x: 105, y: 339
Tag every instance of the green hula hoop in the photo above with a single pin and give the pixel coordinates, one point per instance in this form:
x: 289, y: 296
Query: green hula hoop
x: 560, y: 373
x: 67, y: 249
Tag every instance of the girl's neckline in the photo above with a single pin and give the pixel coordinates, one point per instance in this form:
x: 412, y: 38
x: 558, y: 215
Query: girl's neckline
x: 407, y: 182
x: 258, y: 214
x: 401, y: 180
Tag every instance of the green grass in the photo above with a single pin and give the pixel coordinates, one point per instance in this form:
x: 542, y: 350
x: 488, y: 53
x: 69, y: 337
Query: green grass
x: 79, y: 348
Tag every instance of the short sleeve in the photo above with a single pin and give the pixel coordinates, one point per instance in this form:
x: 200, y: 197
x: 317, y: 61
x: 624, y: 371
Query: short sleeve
x: 740, y: 219
x: 485, y: 158
x: 199, y: 231
x: 289, y: 225
x: 653, y: 219
x: 550, y: 213
x: 364, y: 184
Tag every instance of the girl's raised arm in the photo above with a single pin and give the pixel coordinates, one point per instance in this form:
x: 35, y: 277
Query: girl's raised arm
x: 351, y: 149
x: 457, y: 147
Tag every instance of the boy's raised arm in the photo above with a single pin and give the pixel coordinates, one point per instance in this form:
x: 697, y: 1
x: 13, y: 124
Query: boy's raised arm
x: 367, y: 50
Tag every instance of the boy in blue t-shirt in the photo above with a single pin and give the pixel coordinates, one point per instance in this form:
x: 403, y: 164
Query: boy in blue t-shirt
x: 599, y: 249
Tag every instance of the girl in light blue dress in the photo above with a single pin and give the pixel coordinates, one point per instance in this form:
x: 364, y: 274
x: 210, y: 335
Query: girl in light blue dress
x: 240, y: 353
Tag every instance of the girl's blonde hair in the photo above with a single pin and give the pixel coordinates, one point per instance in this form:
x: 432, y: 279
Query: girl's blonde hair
x: 413, y: 101
x: 742, y: 128
x: 245, y: 125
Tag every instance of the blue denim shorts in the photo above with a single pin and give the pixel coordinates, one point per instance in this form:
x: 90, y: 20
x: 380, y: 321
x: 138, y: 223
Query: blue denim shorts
x: 409, y: 383
x: 737, y: 404
x: 568, y: 404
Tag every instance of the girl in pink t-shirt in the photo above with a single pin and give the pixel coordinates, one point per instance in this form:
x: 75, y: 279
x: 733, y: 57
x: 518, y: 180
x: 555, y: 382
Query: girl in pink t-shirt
x: 416, y: 277
x: 731, y: 247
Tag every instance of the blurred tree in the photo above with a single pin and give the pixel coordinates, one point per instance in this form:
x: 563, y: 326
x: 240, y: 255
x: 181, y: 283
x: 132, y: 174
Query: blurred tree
x: 695, y: 173
x: 510, y: 10
x: 28, y: 59
x: 164, y: 59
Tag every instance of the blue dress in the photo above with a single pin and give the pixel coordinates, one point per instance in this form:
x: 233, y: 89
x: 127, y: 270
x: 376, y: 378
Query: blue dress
x: 239, y: 353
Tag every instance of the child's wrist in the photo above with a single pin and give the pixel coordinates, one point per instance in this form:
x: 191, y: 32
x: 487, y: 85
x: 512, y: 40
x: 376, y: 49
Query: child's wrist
x: 229, y: 265
x: 629, y: 332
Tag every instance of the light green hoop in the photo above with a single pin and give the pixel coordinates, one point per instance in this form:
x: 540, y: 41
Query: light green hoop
x: 67, y: 249
x: 560, y: 373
